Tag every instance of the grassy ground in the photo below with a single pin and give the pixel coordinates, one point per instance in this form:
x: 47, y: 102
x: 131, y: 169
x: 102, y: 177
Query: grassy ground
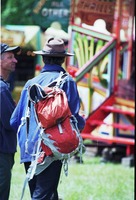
x: 89, y: 181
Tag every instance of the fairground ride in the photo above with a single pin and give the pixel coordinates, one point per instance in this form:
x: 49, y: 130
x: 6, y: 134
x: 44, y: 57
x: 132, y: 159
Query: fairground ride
x: 103, y: 41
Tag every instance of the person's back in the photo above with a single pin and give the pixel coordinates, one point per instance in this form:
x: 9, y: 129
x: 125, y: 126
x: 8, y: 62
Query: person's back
x: 44, y: 185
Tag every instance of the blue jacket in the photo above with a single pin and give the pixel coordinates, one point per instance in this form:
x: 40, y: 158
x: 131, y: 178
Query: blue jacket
x: 47, y: 75
x: 8, y: 136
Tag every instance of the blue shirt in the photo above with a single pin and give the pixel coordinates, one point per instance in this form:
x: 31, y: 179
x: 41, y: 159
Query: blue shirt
x: 8, y: 136
x: 47, y: 75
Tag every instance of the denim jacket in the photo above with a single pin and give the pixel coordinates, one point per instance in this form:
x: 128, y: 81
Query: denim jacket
x: 47, y: 75
x: 8, y: 136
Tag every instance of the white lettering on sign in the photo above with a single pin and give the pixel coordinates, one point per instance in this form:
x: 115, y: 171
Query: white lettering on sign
x: 57, y: 4
x: 55, y: 12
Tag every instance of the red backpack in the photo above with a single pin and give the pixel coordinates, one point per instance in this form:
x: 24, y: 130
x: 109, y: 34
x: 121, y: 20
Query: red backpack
x: 59, y: 137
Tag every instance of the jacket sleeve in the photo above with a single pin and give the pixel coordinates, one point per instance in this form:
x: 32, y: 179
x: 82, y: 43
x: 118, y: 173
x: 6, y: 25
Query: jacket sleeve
x: 7, y: 107
x: 70, y: 88
x: 18, y: 113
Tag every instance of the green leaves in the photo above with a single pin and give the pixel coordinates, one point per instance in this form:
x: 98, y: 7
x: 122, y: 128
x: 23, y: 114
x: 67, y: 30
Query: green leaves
x: 16, y: 12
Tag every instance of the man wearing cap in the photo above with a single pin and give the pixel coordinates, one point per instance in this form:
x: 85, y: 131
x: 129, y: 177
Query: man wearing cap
x: 8, y: 139
x: 44, y: 185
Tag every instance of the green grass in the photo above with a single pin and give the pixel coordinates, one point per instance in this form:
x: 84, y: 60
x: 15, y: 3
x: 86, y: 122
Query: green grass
x: 89, y: 181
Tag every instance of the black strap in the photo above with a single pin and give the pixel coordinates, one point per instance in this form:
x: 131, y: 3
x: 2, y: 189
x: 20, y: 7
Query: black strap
x: 28, y: 117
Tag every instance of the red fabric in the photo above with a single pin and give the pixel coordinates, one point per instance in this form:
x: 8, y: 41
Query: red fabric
x: 53, y: 108
x: 66, y: 141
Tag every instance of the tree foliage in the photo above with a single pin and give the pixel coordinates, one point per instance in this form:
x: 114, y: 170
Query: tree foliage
x: 17, y: 12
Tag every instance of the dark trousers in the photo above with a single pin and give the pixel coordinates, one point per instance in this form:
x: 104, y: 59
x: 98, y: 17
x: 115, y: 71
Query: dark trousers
x: 6, y: 164
x: 44, y: 185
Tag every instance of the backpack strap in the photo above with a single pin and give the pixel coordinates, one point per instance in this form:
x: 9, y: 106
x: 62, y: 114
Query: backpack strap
x: 58, y: 81
x: 27, y: 118
x: 61, y: 78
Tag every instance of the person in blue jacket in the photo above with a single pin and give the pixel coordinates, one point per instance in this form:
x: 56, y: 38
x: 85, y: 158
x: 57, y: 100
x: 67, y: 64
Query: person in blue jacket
x: 8, y: 136
x: 44, y: 185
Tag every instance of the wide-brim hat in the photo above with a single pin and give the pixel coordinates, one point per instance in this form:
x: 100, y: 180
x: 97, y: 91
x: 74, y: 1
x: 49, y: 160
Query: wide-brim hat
x: 54, y: 47
x: 5, y: 48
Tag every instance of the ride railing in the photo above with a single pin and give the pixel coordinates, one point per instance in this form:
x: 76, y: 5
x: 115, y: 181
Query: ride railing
x: 95, y: 58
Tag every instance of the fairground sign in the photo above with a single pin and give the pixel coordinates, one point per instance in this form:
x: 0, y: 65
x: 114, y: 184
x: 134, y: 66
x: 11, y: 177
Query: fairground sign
x: 90, y: 11
x: 47, y: 11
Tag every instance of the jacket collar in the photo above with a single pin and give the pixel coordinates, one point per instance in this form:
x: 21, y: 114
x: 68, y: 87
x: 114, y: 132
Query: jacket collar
x: 49, y: 68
